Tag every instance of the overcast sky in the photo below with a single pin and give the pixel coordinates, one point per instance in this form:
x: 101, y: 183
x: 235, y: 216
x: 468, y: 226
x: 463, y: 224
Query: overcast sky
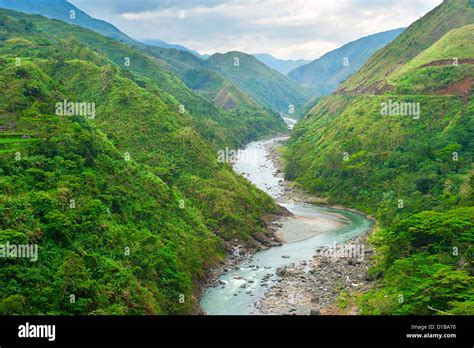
x: 287, y: 29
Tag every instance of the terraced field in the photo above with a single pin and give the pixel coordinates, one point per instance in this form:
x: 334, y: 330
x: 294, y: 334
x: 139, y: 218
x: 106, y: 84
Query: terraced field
x: 13, y: 142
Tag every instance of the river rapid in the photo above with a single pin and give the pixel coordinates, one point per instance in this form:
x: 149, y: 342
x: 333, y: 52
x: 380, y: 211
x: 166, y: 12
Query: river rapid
x: 242, y: 287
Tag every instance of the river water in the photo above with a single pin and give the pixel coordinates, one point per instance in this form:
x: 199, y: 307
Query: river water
x: 312, y: 227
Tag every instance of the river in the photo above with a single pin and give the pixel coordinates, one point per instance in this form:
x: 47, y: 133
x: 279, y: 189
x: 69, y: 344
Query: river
x: 311, y: 227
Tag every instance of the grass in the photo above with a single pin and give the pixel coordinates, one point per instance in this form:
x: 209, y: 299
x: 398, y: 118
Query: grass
x: 458, y: 43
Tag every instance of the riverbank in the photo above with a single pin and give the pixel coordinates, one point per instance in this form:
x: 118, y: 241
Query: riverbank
x: 329, y: 283
x: 239, y: 251
x: 255, y: 274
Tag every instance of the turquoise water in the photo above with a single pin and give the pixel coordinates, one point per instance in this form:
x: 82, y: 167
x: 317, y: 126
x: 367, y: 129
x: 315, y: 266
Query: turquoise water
x: 231, y: 299
x: 244, y: 286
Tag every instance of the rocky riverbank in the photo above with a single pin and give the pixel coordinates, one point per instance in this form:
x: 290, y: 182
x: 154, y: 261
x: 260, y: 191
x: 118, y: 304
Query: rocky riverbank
x: 239, y: 251
x: 324, y: 286
x: 327, y: 284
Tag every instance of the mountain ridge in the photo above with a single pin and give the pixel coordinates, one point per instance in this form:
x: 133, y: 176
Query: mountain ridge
x: 283, y: 66
x: 324, y: 74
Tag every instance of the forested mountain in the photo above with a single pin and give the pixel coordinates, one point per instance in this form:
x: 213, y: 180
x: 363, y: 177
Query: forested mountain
x: 164, y: 44
x: 128, y: 204
x: 323, y: 75
x: 418, y: 37
x: 249, y: 119
x: 404, y: 152
x: 281, y: 65
x: 67, y: 12
x: 263, y: 84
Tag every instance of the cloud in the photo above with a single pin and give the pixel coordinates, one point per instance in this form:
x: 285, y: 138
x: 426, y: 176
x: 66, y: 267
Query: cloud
x: 285, y: 28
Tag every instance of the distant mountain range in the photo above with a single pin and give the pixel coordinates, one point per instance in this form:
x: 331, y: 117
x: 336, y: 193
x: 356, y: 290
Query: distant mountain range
x: 215, y: 77
x: 244, y: 90
x: 267, y: 86
x: 67, y: 12
x: 323, y: 75
x: 280, y: 65
x: 163, y: 44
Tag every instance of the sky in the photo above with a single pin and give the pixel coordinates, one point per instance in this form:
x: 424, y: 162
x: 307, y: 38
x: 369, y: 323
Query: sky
x: 286, y: 29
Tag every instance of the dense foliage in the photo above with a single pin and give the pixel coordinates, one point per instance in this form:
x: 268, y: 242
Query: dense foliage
x: 428, y: 265
x: 418, y: 37
x: 413, y: 171
x: 128, y: 208
x: 264, y: 85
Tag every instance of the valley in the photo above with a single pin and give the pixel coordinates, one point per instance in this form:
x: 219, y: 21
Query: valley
x: 244, y: 287
x: 156, y: 180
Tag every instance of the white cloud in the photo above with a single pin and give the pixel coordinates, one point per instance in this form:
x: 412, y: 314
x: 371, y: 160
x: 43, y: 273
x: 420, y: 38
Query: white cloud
x: 285, y: 28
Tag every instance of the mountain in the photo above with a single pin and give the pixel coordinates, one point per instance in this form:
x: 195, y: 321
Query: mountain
x: 323, y: 75
x: 151, y: 66
x: 263, y: 84
x: 280, y: 65
x: 246, y: 117
x: 123, y: 193
x: 66, y: 12
x: 418, y: 37
x: 163, y: 44
x: 396, y: 142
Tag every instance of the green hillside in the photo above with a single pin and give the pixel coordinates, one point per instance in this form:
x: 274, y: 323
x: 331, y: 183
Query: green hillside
x: 263, y: 84
x: 323, y: 75
x: 248, y: 119
x: 128, y: 207
x: 452, y: 49
x: 371, y: 78
x: 67, y: 12
x: 405, y: 157
x: 218, y: 126
x: 196, y: 74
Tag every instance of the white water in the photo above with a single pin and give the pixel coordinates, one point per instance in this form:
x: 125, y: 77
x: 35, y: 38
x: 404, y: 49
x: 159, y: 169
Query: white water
x: 246, y: 284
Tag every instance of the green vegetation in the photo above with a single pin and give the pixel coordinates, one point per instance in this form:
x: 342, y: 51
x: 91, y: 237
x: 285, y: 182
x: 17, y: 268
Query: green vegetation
x: 414, y: 174
x: 427, y: 265
x: 264, y: 85
x: 245, y: 119
x: 61, y: 9
x: 148, y: 70
x: 453, y: 47
x: 451, y: 14
x: 323, y: 75
x: 128, y: 208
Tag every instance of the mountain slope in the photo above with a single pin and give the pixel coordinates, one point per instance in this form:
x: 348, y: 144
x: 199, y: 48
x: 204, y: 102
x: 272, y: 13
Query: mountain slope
x: 405, y: 157
x: 128, y: 207
x: 248, y: 120
x: 196, y: 74
x: 371, y: 78
x: 61, y: 9
x: 280, y: 65
x: 453, y: 48
x: 266, y: 86
x: 218, y: 126
x: 163, y: 44
x: 323, y: 75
